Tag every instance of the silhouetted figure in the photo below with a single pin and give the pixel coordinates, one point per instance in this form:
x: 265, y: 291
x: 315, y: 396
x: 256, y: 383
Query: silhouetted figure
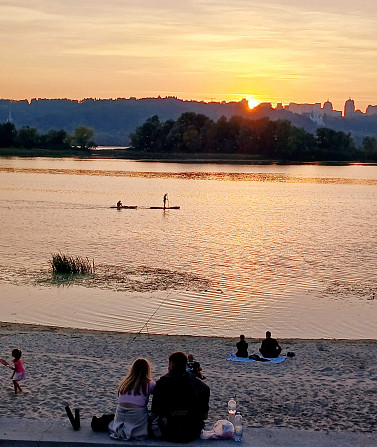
x: 180, y: 401
x: 194, y: 367
x: 119, y: 205
x: 270, y: 347
x: 242, y: 347
x: 166, y: 200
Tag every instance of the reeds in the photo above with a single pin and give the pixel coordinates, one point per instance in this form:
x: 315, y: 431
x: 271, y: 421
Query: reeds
x: 71, y: 265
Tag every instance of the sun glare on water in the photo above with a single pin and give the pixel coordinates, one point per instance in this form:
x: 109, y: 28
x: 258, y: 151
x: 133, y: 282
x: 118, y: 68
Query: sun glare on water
x: 252, y: 102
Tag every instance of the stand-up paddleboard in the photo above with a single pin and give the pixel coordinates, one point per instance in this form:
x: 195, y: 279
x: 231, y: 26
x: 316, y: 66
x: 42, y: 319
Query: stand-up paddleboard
x: 166, y: 208
x: 125, y: 207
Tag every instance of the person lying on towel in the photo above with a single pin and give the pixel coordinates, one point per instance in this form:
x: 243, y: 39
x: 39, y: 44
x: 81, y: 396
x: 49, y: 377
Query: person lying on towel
x: 270, y: 347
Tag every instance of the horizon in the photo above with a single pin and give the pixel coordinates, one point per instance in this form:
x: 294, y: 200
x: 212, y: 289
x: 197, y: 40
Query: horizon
x: 208, y: 50
x: 251, y: 102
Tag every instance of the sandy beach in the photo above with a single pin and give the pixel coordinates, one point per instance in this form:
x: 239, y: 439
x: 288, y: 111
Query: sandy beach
x: 329, y: 384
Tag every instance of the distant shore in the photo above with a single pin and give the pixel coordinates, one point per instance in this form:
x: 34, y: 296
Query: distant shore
x: 328, y: 385
x: 128, y: 154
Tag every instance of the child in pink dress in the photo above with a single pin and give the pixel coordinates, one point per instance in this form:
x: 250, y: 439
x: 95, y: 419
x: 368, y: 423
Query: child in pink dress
x: 18, y: 369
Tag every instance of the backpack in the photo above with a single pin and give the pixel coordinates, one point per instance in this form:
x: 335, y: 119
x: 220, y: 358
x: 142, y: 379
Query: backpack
x: 102, y: 423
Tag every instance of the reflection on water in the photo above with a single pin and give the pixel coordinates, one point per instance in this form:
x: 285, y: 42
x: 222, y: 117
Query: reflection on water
x: 289, y: 248
x: 225, y: 176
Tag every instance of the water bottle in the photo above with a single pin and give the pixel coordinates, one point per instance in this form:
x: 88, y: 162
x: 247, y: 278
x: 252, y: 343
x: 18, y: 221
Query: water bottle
x: 238, y: 427
x: 232, y: 406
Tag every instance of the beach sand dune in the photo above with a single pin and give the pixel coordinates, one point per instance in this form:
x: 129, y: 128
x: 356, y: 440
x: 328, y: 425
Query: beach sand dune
x: 328, y: 385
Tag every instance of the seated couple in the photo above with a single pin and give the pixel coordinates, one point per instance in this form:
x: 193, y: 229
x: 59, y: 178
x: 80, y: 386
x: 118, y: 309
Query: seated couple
x: 270, y: 347
x: 179, y: 404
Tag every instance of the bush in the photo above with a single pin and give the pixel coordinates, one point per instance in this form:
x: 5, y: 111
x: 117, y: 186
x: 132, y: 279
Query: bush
x: 61, y: 263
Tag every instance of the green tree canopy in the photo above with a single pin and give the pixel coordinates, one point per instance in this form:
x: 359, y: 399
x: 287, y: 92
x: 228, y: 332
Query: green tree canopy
x: 82, y: 137
x: 262, y: 138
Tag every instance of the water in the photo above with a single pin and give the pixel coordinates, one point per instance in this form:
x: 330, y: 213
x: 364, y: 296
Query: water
x: 286, y: 248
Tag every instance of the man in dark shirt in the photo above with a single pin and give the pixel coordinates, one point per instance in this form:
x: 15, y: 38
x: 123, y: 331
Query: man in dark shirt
x: 270, y: 347
x: 180, y: 400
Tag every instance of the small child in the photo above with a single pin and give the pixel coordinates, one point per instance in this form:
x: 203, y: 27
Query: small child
x: 18, y: 370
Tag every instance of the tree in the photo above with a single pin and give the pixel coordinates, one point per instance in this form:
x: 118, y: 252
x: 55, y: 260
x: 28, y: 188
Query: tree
x: 145, y: 137
x: 82, y: 137
x: 8, y: 135
x: 369, y: 148
x: 335, y: 145
x: 28, y: 137
x: 55, y: 139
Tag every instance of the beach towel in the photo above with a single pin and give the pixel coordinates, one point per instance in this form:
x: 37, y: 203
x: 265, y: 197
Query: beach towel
x: 129, y: 423
x: 234, y: 358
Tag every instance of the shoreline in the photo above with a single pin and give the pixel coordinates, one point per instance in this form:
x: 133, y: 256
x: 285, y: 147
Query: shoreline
x: 329, y: 385
x: 127, y: 155
x: 41, y: 326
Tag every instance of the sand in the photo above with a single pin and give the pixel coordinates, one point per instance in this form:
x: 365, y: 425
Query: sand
x: 329, y: 385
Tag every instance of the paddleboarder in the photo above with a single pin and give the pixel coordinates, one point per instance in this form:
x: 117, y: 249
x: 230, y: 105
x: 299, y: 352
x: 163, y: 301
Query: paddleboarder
x: 166, y: 200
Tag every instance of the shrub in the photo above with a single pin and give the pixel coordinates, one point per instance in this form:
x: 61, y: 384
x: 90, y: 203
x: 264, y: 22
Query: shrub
x: 61, y: 263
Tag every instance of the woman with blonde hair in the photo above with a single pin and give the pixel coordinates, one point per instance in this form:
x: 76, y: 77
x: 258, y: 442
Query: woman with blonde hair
x: 131, y: 417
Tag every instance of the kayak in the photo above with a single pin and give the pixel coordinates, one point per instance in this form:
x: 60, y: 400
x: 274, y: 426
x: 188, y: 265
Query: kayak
x: 126, y: 207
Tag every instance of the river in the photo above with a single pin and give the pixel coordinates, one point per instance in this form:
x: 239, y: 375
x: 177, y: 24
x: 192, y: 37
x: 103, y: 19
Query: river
x: 292, y: 249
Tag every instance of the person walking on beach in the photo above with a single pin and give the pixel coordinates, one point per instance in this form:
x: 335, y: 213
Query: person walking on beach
x: 242, y: 346
x: 180, y: 402
x: 18, y: 370
x: 131, y: 417
x: 270, y: 347
x: 166, y: 200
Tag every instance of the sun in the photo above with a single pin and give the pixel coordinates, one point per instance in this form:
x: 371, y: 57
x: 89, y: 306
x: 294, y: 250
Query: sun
x: 252, y: 102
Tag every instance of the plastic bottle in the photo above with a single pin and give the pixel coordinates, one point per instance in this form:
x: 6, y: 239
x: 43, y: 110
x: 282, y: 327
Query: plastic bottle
x: 232, y: 406
x: 238, y: 427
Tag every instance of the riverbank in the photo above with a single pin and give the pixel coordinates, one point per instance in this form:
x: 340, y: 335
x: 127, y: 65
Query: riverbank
x: 329, y: 385
x: 131, y: 155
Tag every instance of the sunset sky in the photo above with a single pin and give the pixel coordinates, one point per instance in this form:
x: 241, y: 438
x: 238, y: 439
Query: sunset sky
x: 277, y: 51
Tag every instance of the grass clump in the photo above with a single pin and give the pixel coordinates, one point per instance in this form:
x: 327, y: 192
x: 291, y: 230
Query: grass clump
x: 71, y: 265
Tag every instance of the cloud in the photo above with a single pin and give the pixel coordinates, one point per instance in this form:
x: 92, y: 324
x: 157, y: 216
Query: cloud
x: 295, y: 40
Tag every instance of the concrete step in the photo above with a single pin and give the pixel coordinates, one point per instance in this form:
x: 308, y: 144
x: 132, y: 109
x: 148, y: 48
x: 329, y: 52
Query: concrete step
x: 59, y: 433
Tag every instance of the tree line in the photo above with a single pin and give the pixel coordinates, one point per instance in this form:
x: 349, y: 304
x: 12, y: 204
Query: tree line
x: 29, y: 138
x: 261, y: 138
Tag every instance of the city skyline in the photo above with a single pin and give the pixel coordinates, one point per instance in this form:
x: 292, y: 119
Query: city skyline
x: 294, y: 107
x: 202, y: 50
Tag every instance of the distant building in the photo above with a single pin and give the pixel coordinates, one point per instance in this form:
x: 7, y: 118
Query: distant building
x: 371, y: 110
x: 317, y: 118
x: 315, y: 110
x: 264, y: 106
x: 327, y: 107
x: 349, y: 108
x: 300, y: 109
x: 329, y: 111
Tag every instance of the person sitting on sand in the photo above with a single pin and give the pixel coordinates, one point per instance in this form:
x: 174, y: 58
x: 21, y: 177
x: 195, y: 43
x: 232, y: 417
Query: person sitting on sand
x: 131, y: 417
x: 242, y: 346
x: 180, y: 402
x: 119, y: 204
x: 194, y: 367
x: 270, y: 347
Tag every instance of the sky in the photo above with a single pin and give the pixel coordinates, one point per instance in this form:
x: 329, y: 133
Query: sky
x: 207, y: 50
